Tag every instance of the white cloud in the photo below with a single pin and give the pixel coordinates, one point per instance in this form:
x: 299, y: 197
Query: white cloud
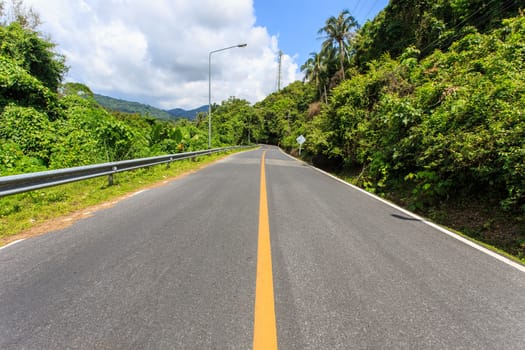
x: 156, y: 52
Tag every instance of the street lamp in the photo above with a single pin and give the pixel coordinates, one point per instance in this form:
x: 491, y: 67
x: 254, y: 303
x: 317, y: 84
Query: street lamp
x: 209, y: 87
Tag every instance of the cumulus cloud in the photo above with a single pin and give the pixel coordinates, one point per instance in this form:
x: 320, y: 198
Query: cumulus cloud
x: 156, y: 52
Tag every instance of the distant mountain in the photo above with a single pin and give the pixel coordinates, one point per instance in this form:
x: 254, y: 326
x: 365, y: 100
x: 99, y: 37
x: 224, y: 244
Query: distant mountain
x: 131, y: 107
x: 191, y: 114
x: 143, y: 109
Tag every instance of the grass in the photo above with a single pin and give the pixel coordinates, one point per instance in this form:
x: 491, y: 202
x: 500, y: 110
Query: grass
x: 488, y: 246
x: 22, y: 212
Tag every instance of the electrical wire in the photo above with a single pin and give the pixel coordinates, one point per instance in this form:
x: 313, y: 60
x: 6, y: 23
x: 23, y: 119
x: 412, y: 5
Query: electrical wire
x: 356, y: 7
x: 371, y: 9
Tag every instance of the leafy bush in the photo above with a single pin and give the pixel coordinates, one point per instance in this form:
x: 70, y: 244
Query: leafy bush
x: 14, y: 161
x: 30, y: 130
x: 17, y: 86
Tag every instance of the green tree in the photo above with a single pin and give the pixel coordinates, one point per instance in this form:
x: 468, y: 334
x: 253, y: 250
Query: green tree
x: 232, y: 122
x: 283, y: 115
x: 36, y: 55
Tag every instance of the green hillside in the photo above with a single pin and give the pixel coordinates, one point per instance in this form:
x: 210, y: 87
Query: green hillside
x: 115, y: 104
x: 188, y: 114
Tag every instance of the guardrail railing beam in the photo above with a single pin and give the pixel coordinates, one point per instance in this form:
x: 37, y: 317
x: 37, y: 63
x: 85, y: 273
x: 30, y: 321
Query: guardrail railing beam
x: 14, y: 184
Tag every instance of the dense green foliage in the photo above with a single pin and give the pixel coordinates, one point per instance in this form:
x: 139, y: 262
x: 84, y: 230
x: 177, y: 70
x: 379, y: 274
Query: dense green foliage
x: 284, y: 114
x: 427, y: 25
x: 47, y: 125
x: 33, y: 54
x: 234, y: 122
x: 452, y: 123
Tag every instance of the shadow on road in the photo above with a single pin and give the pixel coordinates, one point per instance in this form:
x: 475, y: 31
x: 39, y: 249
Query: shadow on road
x: 407, y: 218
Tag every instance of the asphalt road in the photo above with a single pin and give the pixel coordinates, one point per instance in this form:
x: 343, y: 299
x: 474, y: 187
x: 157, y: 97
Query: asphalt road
x: 175, y: 268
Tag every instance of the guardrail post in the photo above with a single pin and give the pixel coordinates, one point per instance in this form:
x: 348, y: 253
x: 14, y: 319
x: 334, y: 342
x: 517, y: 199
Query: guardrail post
x: 168, y: 163
x: 110, y: 176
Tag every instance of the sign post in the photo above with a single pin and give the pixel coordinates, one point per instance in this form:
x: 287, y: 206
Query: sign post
x: 300, y: 140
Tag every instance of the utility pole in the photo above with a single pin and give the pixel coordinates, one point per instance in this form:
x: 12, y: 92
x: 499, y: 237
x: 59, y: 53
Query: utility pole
x: 279, y: 70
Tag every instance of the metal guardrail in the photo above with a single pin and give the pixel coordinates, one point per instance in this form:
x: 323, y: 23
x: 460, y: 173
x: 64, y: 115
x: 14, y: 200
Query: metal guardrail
x: 14, y: 184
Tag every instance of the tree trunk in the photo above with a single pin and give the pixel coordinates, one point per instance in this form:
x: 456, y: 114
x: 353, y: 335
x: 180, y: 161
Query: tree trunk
x: 342, y: 57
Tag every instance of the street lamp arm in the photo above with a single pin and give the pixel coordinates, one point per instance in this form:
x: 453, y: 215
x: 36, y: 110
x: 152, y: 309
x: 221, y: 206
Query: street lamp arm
x: 227, y: 48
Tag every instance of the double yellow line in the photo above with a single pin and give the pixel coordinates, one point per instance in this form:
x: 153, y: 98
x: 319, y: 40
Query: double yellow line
x: 264, y: 328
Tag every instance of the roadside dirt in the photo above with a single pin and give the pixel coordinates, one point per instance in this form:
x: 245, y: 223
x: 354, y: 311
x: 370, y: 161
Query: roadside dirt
x: 65, y: 221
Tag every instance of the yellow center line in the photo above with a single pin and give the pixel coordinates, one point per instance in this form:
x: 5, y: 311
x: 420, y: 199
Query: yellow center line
x: 264, y: 327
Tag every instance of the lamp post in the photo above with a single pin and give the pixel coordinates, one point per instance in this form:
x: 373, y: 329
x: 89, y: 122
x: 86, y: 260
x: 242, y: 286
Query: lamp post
x: 209, y: 86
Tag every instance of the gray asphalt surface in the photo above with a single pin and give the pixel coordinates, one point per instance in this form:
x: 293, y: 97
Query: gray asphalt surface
x: 174, y: 268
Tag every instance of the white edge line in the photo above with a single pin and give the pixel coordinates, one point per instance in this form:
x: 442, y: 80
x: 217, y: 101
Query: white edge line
x: 137, y: 193
x: 425, y: 221
x: 12, y: 243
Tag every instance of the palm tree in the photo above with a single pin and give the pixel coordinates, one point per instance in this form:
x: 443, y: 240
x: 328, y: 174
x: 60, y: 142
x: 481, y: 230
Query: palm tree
x: 309, y: 68
x: 314, y: 69
x: 339, y: 30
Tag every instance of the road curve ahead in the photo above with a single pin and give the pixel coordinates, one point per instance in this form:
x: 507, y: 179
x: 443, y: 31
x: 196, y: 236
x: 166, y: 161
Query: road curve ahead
x: 181, y: 267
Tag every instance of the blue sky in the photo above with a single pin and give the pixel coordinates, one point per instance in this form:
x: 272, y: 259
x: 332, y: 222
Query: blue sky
x: 296, y: 22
